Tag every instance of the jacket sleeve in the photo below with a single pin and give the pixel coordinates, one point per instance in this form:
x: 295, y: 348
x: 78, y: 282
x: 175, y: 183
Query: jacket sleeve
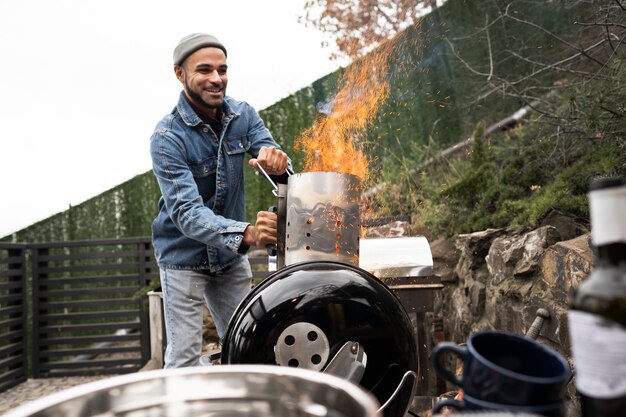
x: 182, y: 200
x: 260, y: 136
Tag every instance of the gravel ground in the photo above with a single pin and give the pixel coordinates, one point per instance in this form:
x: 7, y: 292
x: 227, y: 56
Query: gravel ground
x: 34, y: 389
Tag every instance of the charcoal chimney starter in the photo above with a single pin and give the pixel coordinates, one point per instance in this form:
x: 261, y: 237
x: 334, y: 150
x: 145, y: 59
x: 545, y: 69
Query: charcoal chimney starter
x: 322, y: 217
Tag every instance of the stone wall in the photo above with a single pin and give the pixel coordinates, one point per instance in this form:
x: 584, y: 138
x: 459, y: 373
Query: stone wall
x: 498, y: 279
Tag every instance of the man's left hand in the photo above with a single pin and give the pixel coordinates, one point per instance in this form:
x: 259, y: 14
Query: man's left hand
x: 263, y: 232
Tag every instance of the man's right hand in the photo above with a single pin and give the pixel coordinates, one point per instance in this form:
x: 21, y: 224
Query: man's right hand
x: 274, y: 161
x: 263, y: 232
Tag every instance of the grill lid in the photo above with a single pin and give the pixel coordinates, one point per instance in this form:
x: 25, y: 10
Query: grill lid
x: 396, y: 257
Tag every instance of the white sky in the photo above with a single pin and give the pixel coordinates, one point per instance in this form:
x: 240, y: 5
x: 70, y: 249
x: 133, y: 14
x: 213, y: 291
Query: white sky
x: 84, y: 82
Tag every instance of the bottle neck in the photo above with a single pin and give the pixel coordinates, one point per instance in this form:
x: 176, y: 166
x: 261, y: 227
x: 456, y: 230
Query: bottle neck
x: 613, y: 254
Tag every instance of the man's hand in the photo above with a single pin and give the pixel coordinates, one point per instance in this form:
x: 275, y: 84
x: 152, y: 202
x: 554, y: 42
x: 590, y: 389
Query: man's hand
x: 263, y: 232
x: 274, y: 161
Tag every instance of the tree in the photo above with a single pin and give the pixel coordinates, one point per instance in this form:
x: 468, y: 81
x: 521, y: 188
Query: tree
x: 575, y: 55
x: 359, y: 26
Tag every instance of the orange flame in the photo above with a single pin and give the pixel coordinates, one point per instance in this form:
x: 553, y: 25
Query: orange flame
x: 332, y: 142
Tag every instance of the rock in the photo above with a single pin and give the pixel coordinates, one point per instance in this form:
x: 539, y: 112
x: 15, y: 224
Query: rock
x: 535, y: 243
x: 445, y: 257
x: 473, y: 249
x: 458, y: 316
x: 568, y: 227
x: 519, y: 255
x: 503, y: 254
x: 477, y: 297
x: 525, y: 289
x: 511, y: 321
x: 564, y: 265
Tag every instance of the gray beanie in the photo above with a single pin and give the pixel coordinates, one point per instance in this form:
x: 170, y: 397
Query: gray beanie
x: 191, y: 43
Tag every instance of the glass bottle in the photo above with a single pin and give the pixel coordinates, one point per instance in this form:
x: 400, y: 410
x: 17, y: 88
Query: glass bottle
x: 597, y: 315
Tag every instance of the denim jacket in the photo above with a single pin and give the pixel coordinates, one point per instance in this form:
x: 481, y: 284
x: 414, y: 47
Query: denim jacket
x: 201, y: 216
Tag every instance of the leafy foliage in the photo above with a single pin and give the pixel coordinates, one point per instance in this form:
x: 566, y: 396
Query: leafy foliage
x: 519, y: 177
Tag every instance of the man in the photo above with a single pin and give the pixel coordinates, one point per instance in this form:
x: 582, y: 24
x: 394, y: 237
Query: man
x: 200, y: 235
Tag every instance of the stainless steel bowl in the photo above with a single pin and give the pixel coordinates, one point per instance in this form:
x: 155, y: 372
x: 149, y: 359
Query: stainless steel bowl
x: 212, y: 391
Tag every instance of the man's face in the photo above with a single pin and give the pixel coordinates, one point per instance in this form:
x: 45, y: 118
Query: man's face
x: 203, y: 75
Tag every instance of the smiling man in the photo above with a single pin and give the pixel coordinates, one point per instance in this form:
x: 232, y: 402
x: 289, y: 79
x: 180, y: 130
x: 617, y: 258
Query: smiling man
x: 200, y: 234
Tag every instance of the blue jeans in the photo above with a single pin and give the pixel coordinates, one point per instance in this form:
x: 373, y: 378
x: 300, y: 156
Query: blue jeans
x: 184, y: 295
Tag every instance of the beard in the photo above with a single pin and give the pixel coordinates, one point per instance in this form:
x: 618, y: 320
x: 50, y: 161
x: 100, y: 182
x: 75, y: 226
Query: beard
x: 197, y: 98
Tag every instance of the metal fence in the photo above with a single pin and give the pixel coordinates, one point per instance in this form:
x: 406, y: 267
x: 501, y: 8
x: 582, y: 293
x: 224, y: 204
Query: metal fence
x: 90, y: 315
x: 13, y: 320
x: 78, y: 308
x: 80, y: 305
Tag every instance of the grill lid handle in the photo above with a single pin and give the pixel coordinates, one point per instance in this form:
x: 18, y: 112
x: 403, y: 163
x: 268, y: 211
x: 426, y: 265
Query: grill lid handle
x: 349, y: 362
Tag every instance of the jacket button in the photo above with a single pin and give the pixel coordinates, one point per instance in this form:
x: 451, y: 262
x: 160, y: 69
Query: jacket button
x: 205, y: 129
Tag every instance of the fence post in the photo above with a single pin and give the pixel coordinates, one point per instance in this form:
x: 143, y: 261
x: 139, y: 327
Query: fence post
x: 38, y: 276
x: 20, y: 266
x: 155, y: 299
x: 144, y: 253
